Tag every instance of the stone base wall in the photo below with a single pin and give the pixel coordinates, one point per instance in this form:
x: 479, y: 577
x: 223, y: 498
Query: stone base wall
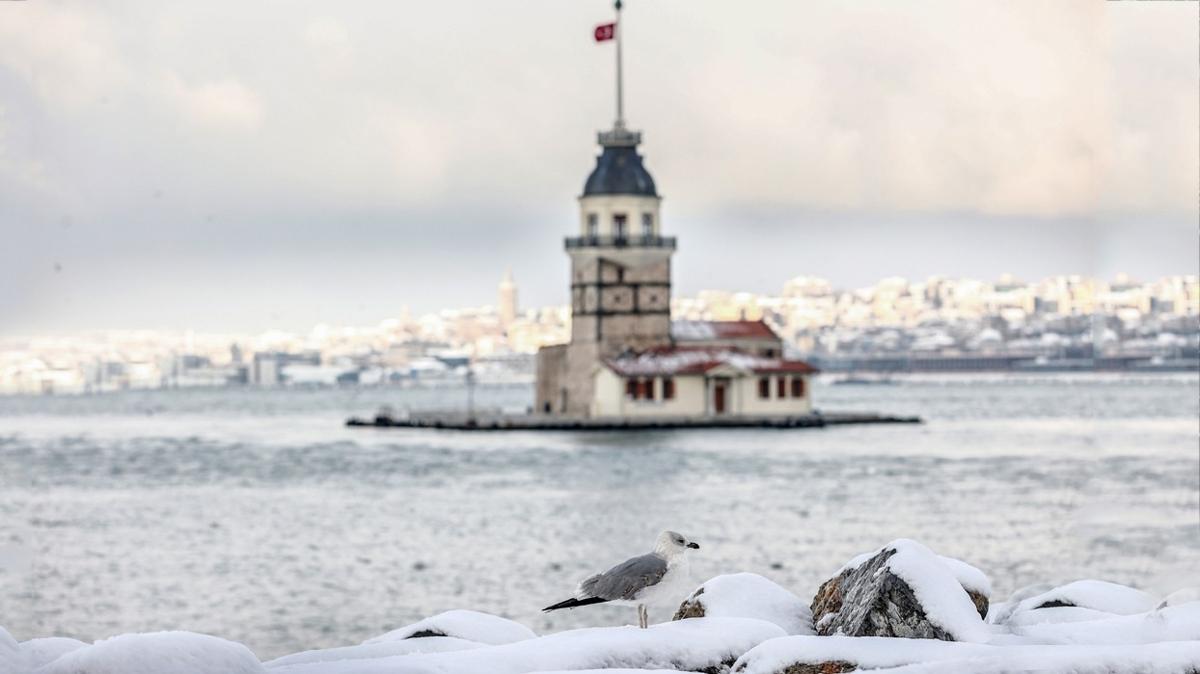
x: 551, y: 373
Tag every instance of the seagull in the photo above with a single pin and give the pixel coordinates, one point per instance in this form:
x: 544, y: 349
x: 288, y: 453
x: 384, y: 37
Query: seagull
x: 636, y: 581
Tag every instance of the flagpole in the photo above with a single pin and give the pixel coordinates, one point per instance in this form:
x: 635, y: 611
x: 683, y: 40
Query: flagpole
x: 620, y: 94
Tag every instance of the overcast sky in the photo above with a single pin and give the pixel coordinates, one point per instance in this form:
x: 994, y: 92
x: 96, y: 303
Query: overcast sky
x: 250, y: 165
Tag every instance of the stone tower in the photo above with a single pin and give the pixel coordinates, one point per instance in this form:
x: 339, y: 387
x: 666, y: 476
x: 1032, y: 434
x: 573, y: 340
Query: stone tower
x: 620, y: 271
x: 507, y: 300
x: 620, y: 268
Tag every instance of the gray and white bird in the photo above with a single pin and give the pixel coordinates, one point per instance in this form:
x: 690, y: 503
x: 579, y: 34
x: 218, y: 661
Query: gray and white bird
x: 639, y: 580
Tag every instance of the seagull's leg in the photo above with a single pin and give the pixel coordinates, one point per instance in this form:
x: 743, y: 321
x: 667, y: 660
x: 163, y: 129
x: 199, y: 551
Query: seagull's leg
x: 643, y: 618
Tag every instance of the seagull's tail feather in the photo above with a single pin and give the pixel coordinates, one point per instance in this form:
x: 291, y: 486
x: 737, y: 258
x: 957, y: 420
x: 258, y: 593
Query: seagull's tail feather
x: 573, y: 602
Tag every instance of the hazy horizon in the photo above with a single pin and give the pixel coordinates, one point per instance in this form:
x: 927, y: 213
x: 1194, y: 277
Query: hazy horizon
x: 164, y: 167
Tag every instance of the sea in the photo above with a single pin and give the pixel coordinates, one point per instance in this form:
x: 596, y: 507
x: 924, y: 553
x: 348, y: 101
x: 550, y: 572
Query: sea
x: 258, y: 516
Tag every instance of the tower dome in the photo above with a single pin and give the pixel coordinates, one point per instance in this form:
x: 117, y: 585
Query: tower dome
x: 619, y: 168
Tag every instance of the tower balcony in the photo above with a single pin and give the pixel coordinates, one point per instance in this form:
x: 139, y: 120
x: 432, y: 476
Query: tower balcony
x: 573, y: 242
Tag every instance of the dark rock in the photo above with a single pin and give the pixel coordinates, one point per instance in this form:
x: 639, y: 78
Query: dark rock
x: 1054, y: 603
x: 872, y: 601
x: 981, y: 603
x: 830, y: 667
x: 691, y: 608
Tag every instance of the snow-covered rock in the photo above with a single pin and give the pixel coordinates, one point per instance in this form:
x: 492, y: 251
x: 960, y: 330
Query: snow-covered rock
x: 474, y: 626
x: 1183, y: 595
x: 903, y: 590
x: 701, y: 644
x: 748, y: 595
x: 1057, y: 614
x: 828, y: 655
x: 1174, y: 623
x: 38, y: 652
x: 1097, y: 595
x: 158, y: 653
x: 378, y: 649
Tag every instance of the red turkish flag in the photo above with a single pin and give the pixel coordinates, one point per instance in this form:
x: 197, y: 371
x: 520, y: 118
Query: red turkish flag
x: 605, y: 31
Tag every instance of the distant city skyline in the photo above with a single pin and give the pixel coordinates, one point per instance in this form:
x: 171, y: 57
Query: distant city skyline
x: 1151, y: 325
x: 163, y: 167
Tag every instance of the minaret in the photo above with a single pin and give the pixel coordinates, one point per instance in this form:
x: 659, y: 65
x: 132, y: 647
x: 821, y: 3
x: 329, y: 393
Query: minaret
x: 620, y: 261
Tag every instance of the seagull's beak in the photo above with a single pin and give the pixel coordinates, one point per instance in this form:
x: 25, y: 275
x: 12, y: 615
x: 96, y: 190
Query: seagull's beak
x: 694, y: 546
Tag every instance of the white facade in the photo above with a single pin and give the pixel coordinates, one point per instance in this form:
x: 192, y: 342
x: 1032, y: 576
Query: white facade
x: 700, y: 394
x: 598, y: 214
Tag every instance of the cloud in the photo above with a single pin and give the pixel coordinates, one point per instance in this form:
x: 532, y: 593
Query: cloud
x: 222, y: 103
x: 183, y: 130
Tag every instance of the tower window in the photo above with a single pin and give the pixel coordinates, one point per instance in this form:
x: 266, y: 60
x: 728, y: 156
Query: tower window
x: 781, y: 387
x: 593, y: 225
x: 764, y: 387
x: 647, y: 224
x: 668, y: 388
x: 620, y: 227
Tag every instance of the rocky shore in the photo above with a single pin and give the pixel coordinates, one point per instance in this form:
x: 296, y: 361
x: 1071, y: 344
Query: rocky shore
x: 899, y: 609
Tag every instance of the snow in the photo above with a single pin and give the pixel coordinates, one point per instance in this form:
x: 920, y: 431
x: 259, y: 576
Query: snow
x: 158, y: 653
x: 1180, y: 596
x: 687, y: 645
x: 1058, y: 614
x: 612, y: 672
x: 38, y: 652
x: 969, y: 577
x: 474, y: 626
x: 1094, y: 594
x: 749, y: 595
x: 378, y: 649
x: 693, y: 330
x: 913, y: 656
x: 748, y: 618
x: 1167, y: 658
x: 1174, y: 623
x: 866, y: 652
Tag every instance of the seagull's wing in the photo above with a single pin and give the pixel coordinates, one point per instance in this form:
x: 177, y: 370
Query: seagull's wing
x: 627, y: 579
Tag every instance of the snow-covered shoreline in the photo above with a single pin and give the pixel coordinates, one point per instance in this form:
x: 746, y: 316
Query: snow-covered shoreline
x: 738, y: 623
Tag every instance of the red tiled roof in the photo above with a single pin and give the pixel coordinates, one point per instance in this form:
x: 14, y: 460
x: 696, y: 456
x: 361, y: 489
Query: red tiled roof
x: 698, y: 331
x: 696, y: 360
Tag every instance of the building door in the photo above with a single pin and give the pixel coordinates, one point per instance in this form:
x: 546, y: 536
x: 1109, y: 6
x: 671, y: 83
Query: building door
x: 719, y: 397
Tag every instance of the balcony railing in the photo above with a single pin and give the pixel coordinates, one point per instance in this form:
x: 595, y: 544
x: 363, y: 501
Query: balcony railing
x: 620, y: 242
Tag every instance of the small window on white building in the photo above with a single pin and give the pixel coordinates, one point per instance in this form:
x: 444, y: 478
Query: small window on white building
x: 593, y: 225
x: 620, y: 227
x: 797, y: 387
x: 647, y: 224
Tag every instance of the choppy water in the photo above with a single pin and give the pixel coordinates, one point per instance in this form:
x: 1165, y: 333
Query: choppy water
x: 255, y: 515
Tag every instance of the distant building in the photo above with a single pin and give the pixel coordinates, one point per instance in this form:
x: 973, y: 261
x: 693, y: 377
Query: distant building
x: 267, y: 369
x: 625, y: 358
x: 507, y: 300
